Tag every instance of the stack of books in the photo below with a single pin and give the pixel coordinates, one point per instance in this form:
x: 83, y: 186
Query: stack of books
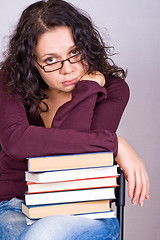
x: 77, y: 184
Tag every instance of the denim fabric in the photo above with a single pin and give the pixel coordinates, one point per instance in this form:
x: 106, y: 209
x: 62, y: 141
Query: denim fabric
x: 12, y: 221
x: 13, y: 226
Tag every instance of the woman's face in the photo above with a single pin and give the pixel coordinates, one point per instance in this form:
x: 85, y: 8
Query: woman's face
x: 57, y: 45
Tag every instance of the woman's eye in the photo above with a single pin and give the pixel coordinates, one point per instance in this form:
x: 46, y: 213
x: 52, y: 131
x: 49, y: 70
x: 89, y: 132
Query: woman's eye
x: 51, y: 60
x: 75, y: 52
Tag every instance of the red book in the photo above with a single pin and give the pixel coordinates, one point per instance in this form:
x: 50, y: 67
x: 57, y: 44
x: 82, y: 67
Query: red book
x: 87, y: 183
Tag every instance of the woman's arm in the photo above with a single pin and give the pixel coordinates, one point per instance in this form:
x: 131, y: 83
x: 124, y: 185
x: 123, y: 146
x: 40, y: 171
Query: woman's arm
x: 135, y: 172
x: 108, y: 111
x: 20, y: 140
x: 107, y: 114
x: 109, y: 108
x: 78, y: 113
x: 94, y: 107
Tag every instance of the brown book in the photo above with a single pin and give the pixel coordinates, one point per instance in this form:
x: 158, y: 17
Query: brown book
x: 40, y: 211
x: 72, y: 161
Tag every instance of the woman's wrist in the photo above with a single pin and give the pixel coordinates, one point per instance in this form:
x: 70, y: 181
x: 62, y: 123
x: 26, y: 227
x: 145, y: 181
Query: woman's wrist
x: 96, y: 77
x: 120, y: 147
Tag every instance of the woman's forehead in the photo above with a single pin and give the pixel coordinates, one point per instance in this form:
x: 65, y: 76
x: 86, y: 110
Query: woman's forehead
x: 57, y: 40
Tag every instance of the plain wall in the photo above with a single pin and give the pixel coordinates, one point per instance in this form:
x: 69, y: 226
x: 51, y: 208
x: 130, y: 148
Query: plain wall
x: 132, y: 27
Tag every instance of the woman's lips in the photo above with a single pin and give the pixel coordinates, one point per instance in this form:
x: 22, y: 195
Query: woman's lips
x: 70, y: 82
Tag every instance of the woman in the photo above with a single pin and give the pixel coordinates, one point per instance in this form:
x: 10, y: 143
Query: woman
x: 60, y: 93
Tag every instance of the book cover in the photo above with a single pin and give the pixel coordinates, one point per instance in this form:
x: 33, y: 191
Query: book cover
x: 72, y: 184
x: 84, y: 160
x: 40, y: 211
x: 73, y: 174
x: 70, y: 196
x: 98, y: 215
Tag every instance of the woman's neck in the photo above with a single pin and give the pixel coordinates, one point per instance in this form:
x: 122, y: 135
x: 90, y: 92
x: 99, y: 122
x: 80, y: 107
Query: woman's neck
x: 54, y: 102
x: 57, y: 99
x: 58, y: 95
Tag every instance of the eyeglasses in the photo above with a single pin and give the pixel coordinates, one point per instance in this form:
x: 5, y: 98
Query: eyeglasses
x: 58, y: 65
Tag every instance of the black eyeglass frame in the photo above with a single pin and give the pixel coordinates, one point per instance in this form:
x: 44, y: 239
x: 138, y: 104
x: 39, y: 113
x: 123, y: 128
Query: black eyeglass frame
x: 62, y: 62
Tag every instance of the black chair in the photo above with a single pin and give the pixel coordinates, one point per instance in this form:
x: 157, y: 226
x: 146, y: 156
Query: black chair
x: 0, y: 167
x: 120, y: 201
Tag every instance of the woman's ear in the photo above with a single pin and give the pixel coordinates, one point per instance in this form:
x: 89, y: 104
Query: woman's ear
x: 85, y: 66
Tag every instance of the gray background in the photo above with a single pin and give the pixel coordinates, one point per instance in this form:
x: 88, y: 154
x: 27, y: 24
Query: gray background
x: 132, y: 27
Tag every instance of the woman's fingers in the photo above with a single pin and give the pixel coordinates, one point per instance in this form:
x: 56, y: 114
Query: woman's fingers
x: 145, y: 189
x: 138, y: 186
x: 131, y: 183
x: 134, y: 186
x: 135, y: 172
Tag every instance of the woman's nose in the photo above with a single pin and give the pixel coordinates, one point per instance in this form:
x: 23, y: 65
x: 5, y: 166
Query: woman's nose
x: 67, y: 67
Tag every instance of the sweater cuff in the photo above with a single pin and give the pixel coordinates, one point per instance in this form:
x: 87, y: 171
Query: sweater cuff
x: 92, y: 87
x: 115, y: 151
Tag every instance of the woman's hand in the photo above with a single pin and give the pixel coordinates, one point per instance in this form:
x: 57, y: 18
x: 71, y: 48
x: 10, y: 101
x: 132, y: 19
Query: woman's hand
x: 134, y: 171
x: 96, y: 76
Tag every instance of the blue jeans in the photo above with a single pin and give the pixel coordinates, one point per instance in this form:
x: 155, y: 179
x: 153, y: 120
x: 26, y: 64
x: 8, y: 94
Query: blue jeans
x: 13, y: 226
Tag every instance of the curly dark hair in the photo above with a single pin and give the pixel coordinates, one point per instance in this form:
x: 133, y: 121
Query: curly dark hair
x: 21, y: 73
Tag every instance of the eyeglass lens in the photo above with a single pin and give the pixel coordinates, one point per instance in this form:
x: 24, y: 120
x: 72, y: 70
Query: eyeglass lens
x: 57, y: 65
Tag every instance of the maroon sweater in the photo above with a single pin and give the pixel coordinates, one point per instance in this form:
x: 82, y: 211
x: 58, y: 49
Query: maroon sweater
x: 87, y: 123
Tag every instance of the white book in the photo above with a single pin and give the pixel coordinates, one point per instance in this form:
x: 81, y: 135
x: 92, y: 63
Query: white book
x: 73, y: 174
x: 100, y: 215
x: 70, y: 196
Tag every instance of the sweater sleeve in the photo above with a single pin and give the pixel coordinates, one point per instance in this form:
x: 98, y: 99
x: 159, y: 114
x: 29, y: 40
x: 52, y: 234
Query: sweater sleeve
x: 78, y: 113
x: 20, y: 140
x: 94, y: 107
x: 109, y: 109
